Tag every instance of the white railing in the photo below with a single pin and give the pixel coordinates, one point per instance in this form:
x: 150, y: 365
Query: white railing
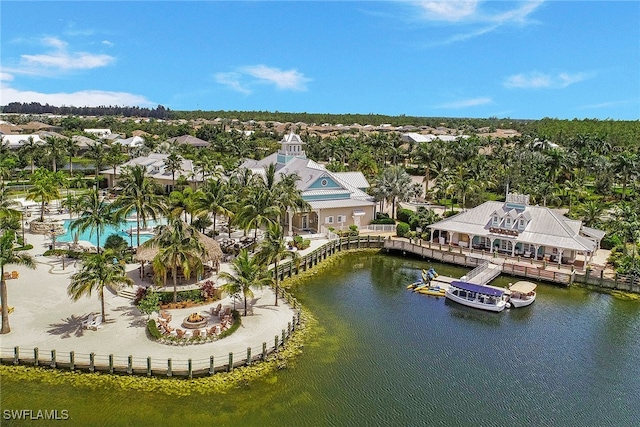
x: 381, y: 228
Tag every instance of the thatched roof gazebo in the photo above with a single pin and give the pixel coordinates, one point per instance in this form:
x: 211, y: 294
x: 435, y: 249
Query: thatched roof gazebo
x: 212, y: 252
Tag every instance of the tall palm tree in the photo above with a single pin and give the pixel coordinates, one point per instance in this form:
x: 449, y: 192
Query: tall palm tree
x: 29, y: 150
x: 259, y: 209
x: 70, y: 148
x: 397, y: 181
x: 273, y: 250
x: 173, y: 164
x: 98, y: 270
x: 44, y: 188
x: 9, y: 256
x: 95, y: 215
x: 212, y: 198
x: 54, y: 146
x: 138, y: 195
x: 183, y: 203
x: 98, y: 153
x: 178, y: 247
x: 246, y: 273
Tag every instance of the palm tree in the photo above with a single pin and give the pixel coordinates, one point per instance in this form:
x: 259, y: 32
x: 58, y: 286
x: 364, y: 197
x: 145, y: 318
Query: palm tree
x: 98, y: 153
x: 95, y: 215
x: 259, y: 209
x: 115, y: 157
x: 7, y: 205
x: 173, y: 164
x: 29, y: 150
x: 71, y: 148
x: 397, y: 182
x: 138, y: 195
x: 9, y: 256
x: 273, y: 250
x: 55, y: 148
x: 44, y: 188
x: 590, y: 212
x: 246, y: 273
x: 626, y: 165
x: 98, y: 270
x: 178, y: 246
x: 211, y: 198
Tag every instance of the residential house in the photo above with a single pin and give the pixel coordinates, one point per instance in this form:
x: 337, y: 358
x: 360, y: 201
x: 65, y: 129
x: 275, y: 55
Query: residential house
x: 154, y: 164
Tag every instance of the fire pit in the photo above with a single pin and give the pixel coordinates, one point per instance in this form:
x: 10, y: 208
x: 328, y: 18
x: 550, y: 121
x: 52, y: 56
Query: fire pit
x: 194, y: 321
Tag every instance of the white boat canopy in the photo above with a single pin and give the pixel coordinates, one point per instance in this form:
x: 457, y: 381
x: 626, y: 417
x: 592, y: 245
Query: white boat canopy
x: 523, y: 287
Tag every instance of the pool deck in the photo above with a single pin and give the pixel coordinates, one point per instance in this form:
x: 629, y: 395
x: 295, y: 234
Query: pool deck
x: 45, y: 317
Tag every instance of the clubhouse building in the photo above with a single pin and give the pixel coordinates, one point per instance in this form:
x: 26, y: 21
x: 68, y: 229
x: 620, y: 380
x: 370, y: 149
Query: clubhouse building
x: 337, y: 199
x: 516, y: 228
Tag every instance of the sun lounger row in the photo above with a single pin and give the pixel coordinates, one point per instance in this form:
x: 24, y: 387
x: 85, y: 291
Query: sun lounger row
x: 13, y: 275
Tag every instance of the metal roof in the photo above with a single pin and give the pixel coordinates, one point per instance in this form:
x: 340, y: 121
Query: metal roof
x: 472, y: 287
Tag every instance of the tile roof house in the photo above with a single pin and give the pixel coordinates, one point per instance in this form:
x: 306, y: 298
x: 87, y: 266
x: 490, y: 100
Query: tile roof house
x: 516, y: 228
x: 337, y: 199
x: 154, y: 164
x: 189, y: 140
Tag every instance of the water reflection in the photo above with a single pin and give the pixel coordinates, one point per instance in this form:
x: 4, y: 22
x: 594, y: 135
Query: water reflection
x: 460, y: 311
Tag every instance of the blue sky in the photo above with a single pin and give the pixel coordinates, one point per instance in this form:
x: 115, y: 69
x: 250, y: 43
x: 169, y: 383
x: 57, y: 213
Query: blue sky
x: 518, y: 59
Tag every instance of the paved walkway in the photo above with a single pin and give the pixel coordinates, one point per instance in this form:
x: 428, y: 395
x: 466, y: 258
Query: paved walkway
x: 45, y: 317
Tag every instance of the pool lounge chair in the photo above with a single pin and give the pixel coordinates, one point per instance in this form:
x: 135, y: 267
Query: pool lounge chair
x: 97, y: 323
x: 85, y: 323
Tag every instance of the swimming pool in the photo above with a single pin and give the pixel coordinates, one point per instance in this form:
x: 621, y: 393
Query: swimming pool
x: 121, y: 230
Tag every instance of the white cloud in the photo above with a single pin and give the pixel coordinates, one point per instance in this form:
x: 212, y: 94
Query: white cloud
x: 232, y: 80
x: 454, y: 10
x: 78, y: 99
x: 538, y: 80
x: 5, y: 77
x: 483, y: 16
x: 59, y: 59
x: 465, y: 103
x: 245, y: 77
x: 283, y: 79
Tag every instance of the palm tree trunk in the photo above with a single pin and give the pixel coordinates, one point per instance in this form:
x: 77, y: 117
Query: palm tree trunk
x: 104, y: 315
x: 5, y: 306
x: 245, y: 306
x: 174, y: 272
x: 138, y: 231
x: 277, y: 288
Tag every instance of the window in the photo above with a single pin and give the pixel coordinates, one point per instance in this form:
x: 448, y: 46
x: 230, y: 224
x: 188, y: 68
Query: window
x: 508, y: 222
x: 324, y: 182
x: 495, y: 219
x: 341, y: 219
x: 328, y: 220
x: 522, y: 224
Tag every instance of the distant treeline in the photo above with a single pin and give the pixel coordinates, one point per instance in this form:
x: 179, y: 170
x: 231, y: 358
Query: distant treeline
x: 159, y: 112
x: 562, y: 131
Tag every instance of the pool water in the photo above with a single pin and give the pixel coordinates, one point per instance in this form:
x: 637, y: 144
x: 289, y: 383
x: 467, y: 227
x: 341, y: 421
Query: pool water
x: 120, y: 230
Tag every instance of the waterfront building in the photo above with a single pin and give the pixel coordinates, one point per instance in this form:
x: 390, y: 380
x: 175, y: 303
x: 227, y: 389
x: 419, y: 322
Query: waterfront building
x: 516, y: 228
x: 337, y: 200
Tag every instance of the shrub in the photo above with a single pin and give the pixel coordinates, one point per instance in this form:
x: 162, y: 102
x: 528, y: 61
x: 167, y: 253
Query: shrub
x: 353, y: 230
x: 140, y: 294
x: 447, y: 214
x: 153, y: 329
x: 117, y: 243
x: 150, y: 303
x: 386, y: 220
x: 208, y: 290
x: 404, y: 215
x: 402, y: 229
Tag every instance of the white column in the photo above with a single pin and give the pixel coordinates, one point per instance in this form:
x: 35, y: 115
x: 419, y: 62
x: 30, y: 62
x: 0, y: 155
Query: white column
x: 513, y: 248
x: 290, y: 223
x: 491, y: 240
x: 560, y: 250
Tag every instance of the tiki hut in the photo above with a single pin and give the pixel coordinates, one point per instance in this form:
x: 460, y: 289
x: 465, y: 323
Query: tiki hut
x: 212, y: 253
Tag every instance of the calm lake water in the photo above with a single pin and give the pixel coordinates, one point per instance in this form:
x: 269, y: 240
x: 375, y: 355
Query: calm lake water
x: 385, y: 356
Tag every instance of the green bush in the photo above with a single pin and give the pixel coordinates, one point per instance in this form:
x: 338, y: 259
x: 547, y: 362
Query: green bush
x: 24, y: 248
x: 194, y: 295
x: 404, y: 215
x: 610, y: 241
x: 402, y: 229
x: 237, y: 321
x: 447, y: 214
x: 153, y: 329
x: 386, y: 220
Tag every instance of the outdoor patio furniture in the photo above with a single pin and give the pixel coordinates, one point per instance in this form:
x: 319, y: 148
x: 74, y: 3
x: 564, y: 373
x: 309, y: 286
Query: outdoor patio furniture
x: 165, y: 316
x: 85, y: 323
x: 216, y: 311
x: 96, y: 324
x: 14, y: 274
x: 6, y: 276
